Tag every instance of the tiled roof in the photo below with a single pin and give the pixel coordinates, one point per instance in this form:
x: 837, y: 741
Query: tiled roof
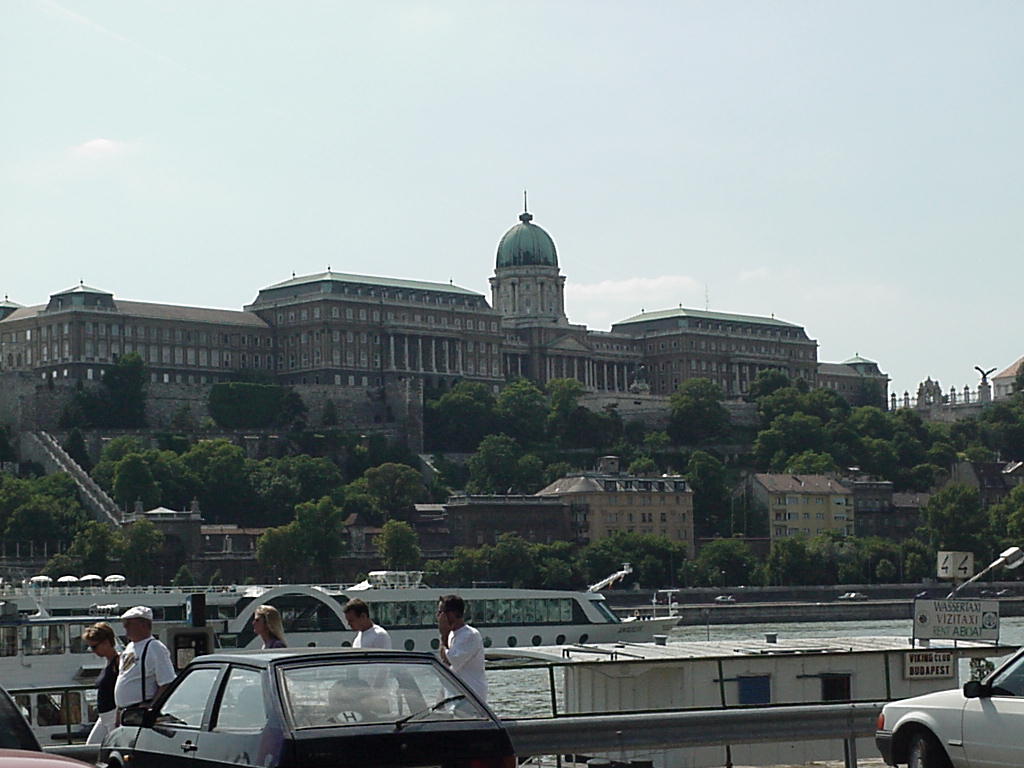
x: 1010, y: 372
x: 161, y: 312
x: 702, y: 314
x: 800, y: 484
x: 383, y: 282
x: 572, y: 484
x: 838, y: 369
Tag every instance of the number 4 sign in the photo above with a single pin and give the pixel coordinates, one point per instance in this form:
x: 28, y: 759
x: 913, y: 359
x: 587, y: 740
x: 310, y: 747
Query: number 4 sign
x: 955, y: 565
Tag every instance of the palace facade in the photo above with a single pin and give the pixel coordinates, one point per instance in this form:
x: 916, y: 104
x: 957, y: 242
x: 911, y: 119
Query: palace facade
x: 345, y: 330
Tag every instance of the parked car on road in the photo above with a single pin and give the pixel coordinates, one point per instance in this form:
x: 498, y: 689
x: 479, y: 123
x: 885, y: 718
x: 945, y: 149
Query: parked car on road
x: 725, y: 599
x: 308, y: 708
x: 852, y: 596
x: 978, y: 725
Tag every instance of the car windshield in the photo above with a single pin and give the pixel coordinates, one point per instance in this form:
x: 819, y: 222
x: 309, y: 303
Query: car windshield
x: 403, y: 693
x: 1010, y: 681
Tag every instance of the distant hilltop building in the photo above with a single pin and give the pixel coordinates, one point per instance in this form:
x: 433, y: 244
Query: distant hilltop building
x: 341, y: 330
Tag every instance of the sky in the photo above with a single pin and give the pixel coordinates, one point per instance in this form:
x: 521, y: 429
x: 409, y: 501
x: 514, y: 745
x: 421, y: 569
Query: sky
x: 852, y: 167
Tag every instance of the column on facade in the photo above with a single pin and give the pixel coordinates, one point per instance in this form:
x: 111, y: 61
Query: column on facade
x: 419, y: 353
x: 447, y: 363
x: 458, y: 356
x: 391, y: 344
x: 405, y: 352
x: 433, y: 354
x: 519, y: 365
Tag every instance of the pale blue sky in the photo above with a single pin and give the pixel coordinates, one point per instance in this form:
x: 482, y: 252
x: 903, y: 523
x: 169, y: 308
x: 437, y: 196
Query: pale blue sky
x: 854, y: 167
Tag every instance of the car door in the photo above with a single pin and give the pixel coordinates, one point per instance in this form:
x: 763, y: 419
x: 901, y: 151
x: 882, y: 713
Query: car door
x: 238, y: 734
x: 992, y: 724
x: 173, y: 738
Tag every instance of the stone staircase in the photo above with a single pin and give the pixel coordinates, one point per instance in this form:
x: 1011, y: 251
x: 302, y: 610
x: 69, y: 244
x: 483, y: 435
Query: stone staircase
x: 43, y: 448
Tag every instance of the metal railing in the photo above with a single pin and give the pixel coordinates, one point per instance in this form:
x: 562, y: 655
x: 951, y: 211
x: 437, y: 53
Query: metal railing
x: 590, y: 734
x: 596, y: 734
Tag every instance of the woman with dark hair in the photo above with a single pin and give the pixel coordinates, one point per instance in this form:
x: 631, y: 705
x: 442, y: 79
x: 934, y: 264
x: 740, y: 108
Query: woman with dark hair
x: 102, y: 641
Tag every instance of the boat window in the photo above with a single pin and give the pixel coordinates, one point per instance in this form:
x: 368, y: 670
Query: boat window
x: 76, y: 643
x: 8, y: 641
x: 42, y: 639
x: 58, y: 708
x: 606, y: 611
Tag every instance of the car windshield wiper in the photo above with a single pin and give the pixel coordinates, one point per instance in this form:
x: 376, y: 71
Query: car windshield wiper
x: 432, y: 708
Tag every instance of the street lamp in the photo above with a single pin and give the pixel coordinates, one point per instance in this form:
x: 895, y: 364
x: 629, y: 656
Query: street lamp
x: 1011, y: 558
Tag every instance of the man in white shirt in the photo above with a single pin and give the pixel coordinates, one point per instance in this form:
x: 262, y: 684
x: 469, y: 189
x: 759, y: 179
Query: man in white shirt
x: 462, y: 648
x: 146, y: 667
x: 368, y: 634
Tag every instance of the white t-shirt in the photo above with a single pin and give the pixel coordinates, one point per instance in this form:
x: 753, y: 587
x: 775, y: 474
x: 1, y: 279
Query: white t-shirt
x: 374, y: 637
x: 466, y: 658
x: 159, y: 671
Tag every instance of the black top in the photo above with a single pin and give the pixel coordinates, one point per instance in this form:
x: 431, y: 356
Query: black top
x: 105, y: 686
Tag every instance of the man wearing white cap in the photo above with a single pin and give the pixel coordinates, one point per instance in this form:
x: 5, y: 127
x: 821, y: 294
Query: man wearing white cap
x: 146, y: 667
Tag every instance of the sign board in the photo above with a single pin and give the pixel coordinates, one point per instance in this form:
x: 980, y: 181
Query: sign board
x: 955, y: 565
x: 956, y: 620
x: 928, y: 665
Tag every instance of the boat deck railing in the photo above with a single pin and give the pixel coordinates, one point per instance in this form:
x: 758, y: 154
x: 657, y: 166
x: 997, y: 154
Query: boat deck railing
x: 619, y: 736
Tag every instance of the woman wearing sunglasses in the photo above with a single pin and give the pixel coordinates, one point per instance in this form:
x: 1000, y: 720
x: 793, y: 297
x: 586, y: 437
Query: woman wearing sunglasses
x: 103, y: 643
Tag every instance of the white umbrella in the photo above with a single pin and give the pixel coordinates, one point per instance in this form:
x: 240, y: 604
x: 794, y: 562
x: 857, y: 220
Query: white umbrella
x: 40, y: 579
x: 114, y: 578
x: 69, y: 579
x: 90, y: 577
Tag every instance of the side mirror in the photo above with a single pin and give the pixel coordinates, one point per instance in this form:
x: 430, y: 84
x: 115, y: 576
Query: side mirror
x: 134, y: 716
x: 973, y: 689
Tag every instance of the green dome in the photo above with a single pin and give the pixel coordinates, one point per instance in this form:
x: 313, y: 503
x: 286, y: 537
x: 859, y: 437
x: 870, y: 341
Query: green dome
x: 526, y: 244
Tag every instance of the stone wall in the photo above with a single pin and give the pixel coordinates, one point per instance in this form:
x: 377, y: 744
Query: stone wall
x: 28, y: 404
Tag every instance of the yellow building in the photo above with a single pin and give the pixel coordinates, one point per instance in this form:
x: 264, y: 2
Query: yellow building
x: 606, y: 501
x: 804, y: 505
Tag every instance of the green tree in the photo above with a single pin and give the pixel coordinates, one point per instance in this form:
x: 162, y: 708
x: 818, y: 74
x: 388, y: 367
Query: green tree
x: 278, y: 553
x: 460, y: 418
x: 321, y: 536
x: 885, y: 571
x: 790, y: 563
x: 139, y: 550
x: 711, y: 506
x: 220, y: 471
x: 183, y: 578
x: 765, y: 383
x: 727, y: 562
x: 76, y: 449
x: 522, y: 410
x: 396, y: 487
x: 810, y: 463
x: 398, y: 546
x: 134, y: 482
x: 643, y: 466
x: 954, y: 520
x: 697, y: 413
x: 125, y: 384
x: 93, y: 548
x: 494, y: 466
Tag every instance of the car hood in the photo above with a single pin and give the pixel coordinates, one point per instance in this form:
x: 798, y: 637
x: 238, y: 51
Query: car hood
x: 951, y: 699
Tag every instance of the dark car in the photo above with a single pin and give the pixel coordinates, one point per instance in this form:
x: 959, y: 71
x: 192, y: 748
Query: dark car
x: 306, y: 708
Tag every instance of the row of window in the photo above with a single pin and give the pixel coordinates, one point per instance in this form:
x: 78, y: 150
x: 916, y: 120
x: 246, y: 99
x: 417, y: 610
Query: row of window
x: 374, y: 315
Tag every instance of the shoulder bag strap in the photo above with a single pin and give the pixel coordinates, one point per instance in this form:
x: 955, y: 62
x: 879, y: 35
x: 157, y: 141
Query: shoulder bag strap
x: 142, y: 667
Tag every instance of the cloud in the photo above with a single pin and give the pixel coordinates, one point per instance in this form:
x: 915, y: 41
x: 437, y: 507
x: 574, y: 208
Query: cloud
x: 601, y: 304
x: 751, y: 275
x: 96, y: 149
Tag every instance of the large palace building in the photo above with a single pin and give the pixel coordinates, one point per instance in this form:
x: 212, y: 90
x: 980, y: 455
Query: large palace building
x: 344, y: 330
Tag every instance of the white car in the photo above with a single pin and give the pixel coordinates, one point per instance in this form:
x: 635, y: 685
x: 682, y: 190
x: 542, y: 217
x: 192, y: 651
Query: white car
x: 980, y: 726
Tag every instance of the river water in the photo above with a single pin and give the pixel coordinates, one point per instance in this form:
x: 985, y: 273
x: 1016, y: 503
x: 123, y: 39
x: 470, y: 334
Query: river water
x: 527, y: 692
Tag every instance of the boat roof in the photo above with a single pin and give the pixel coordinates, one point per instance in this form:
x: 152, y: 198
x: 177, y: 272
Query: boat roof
x: 723, y: 649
